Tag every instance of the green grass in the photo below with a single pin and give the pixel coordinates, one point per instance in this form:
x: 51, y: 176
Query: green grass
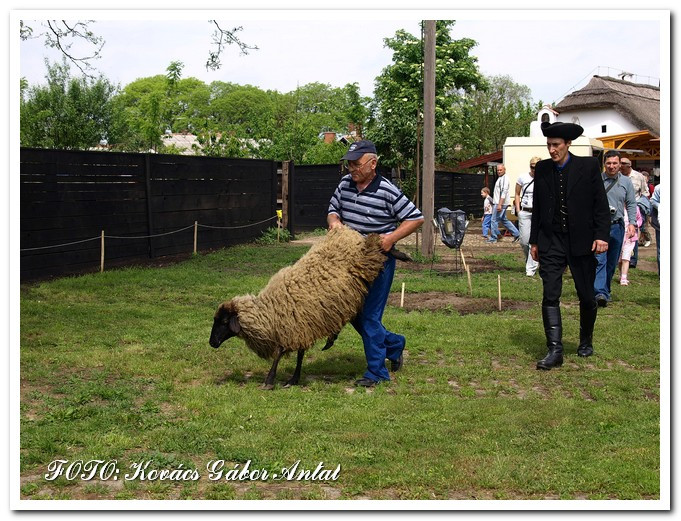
x: 117, y: 366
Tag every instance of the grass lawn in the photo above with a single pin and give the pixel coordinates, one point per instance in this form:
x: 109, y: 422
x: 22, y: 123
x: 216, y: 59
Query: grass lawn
x: 116, y: 367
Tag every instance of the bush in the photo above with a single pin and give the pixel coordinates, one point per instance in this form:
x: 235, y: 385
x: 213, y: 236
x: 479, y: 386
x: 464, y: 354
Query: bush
x: 269, y: 236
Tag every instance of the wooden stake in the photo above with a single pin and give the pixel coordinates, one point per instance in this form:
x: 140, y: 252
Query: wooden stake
x: 470, y: 286
x: 196, y: 234
x: 101, y: 260
x: 402, y: 298
x: 463, y: 259
x: 499, y: 289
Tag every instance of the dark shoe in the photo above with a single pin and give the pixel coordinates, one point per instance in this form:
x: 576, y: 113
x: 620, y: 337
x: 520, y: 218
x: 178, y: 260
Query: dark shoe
x: 601, y: 300
x: 553, y: 329
x: 516, y: 238
x: 587, y: 320
x: 396, y: 365
x: 365, y: 382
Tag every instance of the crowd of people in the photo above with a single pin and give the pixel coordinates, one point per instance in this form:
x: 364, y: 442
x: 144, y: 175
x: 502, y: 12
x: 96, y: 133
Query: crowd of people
x: 628, y: 234
x: 573, y: 213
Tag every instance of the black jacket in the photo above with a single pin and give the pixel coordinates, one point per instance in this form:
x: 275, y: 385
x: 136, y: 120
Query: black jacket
x: 587, y: 205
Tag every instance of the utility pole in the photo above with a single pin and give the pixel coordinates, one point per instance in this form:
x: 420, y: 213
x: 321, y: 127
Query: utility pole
x: 427, y: 207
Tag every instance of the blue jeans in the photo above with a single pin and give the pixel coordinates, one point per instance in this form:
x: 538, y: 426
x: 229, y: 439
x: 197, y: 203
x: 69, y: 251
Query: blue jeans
x: 379, y: 343
x: 607, y: 261
x: 657, y: 242
x: 501, y: 217
x: 486, y: 221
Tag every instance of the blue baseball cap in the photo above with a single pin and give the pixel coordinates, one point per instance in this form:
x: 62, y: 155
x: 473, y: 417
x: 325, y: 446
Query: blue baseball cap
x: 358, y: 149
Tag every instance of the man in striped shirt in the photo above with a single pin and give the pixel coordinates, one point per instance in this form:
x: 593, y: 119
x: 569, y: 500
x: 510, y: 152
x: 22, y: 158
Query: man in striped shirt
x: 369, y: 203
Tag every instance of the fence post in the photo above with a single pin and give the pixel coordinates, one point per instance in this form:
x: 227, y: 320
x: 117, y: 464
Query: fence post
x: 101, y: 258
x: 290, y: 200
x: 150, y: 221
x: 196, y: 233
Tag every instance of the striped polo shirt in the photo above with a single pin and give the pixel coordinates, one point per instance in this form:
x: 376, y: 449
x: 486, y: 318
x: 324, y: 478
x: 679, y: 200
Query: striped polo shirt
x: 379, y: 208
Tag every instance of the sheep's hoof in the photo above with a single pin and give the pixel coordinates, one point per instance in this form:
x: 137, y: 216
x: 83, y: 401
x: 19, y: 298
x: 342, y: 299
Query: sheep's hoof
x: 267, y: 387
x: 291, y: 383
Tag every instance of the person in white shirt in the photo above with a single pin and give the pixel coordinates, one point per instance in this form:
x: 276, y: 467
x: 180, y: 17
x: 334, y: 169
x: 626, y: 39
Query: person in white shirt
x: 524, y: 190
x: 501, y: 188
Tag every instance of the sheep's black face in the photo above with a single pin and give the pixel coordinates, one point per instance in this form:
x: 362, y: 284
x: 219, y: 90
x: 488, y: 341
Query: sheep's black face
x: 225, y: 325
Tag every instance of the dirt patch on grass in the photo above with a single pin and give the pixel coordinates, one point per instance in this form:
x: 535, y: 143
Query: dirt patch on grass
x: 451, y: 303
x: 452, y: 265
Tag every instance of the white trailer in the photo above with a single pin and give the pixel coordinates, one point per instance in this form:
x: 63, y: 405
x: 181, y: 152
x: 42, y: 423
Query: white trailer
x: 519, y: 150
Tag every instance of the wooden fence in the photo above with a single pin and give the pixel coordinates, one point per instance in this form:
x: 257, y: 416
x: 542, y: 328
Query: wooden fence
x: 146, y: 205
x: 311, y: 187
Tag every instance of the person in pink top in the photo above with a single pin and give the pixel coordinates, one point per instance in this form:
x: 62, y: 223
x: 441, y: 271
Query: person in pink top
x: 628, y: 248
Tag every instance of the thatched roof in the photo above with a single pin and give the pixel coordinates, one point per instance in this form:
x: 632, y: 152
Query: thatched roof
x: 638, y: 103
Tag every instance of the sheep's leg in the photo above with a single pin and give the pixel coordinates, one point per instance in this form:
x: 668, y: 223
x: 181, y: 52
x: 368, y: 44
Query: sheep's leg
x: 330, y: 341
x: 296, y: 374
x: 269, y: 381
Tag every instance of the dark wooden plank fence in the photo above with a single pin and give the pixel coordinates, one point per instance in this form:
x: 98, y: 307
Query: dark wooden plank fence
x: 147, y: 204
x: 313, y: 185
x: 139, y: 201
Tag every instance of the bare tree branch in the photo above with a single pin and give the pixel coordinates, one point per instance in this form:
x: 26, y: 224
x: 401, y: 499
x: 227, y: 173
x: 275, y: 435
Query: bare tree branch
x: 61, y: 35
x: 222, y: 38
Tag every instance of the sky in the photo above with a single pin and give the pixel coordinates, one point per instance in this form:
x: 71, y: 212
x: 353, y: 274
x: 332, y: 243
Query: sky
x: 333, y: 47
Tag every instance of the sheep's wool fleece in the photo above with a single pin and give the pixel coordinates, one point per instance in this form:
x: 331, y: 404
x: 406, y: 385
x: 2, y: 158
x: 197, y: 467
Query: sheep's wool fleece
x: 313, y: 298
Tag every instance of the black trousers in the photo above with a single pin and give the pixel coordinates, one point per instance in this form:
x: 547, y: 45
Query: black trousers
x: 552, y: 265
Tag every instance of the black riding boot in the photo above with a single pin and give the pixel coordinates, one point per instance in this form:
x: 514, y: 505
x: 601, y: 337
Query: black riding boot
x: 553, y: 328
x: 587, y: 319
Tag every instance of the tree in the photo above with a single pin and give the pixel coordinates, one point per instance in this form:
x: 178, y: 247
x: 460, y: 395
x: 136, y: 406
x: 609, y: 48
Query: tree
x: 395, y: 122
x: 221, y: 38
x: 488, y: 116
x: 322, y: 153
x: 155, y: 104
x: 67, y: 113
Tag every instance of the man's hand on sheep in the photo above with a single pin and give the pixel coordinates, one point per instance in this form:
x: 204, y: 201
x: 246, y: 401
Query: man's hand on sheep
x: 387, y: 242
x: 333, y: 221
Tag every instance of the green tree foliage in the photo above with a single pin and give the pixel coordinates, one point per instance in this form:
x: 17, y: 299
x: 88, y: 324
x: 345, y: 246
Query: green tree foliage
x: 396, y: 112
x: 488, y: 116
x: 158, y: 103
x: 67, y: 113
x: 322, y: 153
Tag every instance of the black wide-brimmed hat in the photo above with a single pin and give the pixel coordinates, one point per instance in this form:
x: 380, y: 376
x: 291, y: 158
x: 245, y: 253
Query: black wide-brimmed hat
x: 567, y: 131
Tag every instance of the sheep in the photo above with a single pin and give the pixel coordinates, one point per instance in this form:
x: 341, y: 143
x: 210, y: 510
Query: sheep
x: 312, y: 299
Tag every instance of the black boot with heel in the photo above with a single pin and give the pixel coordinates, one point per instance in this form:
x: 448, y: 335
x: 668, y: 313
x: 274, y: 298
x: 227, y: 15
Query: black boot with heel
x: 553, y: 328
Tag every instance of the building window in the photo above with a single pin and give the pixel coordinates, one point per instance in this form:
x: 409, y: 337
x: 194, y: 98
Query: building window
x: 604, y: 128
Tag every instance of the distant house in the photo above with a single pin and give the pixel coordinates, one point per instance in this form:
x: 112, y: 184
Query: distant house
x: 608, y: 106
x: 621, y: 114
x: 183, y: 141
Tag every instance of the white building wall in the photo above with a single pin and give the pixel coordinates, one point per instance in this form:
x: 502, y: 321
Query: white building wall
x: 593, y: 120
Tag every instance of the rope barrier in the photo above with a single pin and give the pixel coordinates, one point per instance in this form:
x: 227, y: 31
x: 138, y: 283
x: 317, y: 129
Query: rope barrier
x: 148, y: 236
x: 234, y: 227
x: 99, y: 237
x: 60, y: 245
